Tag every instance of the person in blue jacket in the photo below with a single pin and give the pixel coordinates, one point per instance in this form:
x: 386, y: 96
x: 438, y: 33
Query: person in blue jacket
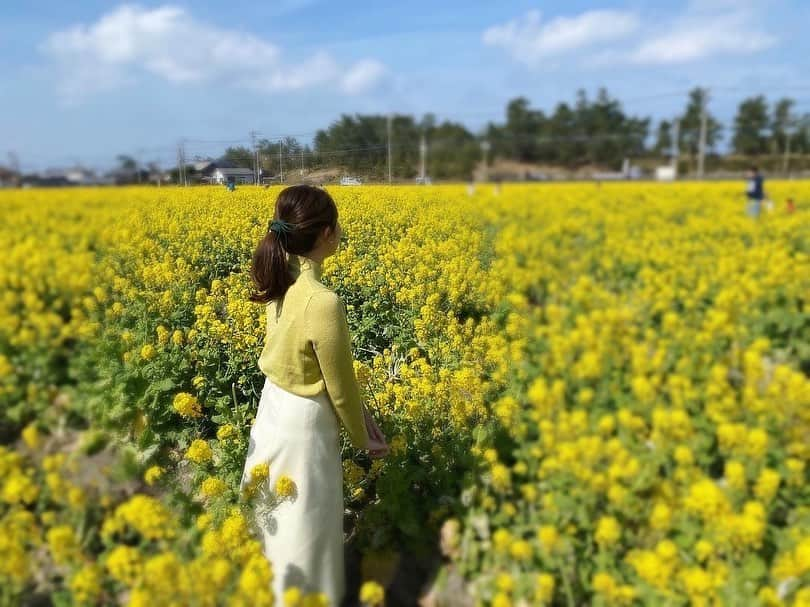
x: 754, y: 191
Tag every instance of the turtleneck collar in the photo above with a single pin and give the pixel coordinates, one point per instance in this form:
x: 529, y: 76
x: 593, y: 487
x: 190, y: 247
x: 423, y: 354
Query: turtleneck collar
x: 299, y: 264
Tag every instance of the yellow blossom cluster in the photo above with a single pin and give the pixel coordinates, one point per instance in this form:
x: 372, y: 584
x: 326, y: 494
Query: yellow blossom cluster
x: 612, y: 377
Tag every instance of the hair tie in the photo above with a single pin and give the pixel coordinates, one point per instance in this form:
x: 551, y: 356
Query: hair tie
x: 279, y: 225
x: 281, y: 228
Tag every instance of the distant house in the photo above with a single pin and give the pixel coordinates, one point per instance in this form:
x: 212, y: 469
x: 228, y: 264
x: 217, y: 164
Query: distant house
x: 119, y: 176
x: 122, y: 176
x: 220, y: 172
x: 8, y: 178
x: 60, y: 177
x: 42, y: 181
x: 77, y: 175
x: 232, y: 175
x: 80, y: 176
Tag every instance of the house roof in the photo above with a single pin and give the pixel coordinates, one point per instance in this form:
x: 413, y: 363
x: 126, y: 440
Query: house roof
x: 234, y: 171
x: 201, y: 165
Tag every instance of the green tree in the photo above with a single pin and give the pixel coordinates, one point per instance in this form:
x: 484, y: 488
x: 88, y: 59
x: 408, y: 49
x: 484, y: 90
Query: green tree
x: 689, y: 134
x: 523, y: 129
x: 783, y: 124
x: 127, y: 163
x: 283, y: 153
x: 663, y: 138
x: 801, y: 139
x: 129, y: 171
x: 750, y: 126
x: 428, y: 122
x: 239, y: 156
x: 359, y: 144
x: 612, y: 135
x: 559, y: 144
x: 453, y: 151
x: 595, y: 131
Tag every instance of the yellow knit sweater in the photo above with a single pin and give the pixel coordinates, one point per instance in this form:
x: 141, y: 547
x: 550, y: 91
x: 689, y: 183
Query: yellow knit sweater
x: 307, y: 348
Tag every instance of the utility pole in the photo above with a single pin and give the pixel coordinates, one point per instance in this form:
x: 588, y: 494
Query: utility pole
x: 422, y: 157
x: 14, y: 162
x: 302, y: 160
x: 484, y: 150
x: 14, y: 165
x: 181, y: 164
x: 702, y: 141
x: 389, y: 147
x: 138, y: 156
x: 786, y: 160
x: 280, y: 162
x: 255, y: 157
x: 676, y: 147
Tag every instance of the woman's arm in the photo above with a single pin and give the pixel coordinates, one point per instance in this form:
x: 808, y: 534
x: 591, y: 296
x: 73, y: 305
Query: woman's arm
x: 381, y: 449
x: 328, y: 330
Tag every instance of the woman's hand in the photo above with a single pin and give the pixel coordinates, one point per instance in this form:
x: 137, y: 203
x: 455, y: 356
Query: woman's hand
x: 377, y: 446
x: 377, y: 449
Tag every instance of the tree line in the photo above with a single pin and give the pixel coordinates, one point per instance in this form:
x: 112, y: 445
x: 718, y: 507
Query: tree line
x: 594, y: 131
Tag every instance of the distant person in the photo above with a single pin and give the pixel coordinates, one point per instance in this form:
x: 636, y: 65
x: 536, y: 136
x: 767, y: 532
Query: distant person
x: 791, y: 206
x: 754, y: 191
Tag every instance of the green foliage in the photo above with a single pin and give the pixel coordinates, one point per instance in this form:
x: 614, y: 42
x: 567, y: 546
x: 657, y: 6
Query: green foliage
x: 750, y: 124
x: 591, y: 132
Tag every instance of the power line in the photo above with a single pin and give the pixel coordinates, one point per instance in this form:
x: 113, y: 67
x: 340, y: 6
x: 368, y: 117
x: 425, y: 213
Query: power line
x: 165, y: 150
x: 215, y: 141
x: 392, y: 145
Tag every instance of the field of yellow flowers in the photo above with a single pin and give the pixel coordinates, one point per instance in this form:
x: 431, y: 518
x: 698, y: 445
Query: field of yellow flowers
x: 599, y: 395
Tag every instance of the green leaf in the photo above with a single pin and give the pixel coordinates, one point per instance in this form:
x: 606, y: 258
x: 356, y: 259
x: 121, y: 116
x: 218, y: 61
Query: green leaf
x: 164, y: 385
x: 753, y: 567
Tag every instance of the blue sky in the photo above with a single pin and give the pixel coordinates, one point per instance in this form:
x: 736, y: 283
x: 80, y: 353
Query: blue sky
x: 85, y: 81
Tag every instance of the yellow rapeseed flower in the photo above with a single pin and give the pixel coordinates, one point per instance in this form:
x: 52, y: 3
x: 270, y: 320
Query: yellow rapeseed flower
x: 187, y: 405
x: 199, y: 451
x: 285, y: 487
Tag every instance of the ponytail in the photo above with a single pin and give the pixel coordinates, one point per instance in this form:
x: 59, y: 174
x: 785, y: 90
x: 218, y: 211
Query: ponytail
x: 270, y: 273
x: 302, y: 211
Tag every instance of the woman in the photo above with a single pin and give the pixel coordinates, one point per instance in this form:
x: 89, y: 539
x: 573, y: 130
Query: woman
x: 309, y: 384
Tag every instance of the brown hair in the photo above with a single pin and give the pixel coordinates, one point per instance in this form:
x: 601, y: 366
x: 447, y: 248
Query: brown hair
x: 308, y: 209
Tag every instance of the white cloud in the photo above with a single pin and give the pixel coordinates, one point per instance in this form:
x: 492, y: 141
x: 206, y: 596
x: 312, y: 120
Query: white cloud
x: 362, y: 76
x: 170, y: 44
x: 530, y: 40
x: 703, y: 29
x: 703, y: 34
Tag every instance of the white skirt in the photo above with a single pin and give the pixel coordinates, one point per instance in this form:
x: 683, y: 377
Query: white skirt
x: 303, y: 536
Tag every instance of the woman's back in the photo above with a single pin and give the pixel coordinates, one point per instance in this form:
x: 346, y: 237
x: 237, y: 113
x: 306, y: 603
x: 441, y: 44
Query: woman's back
x: 293, y: 467
x: 307, y: 345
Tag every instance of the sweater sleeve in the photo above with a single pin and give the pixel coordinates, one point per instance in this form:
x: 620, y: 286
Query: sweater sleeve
x: 328, y: 330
